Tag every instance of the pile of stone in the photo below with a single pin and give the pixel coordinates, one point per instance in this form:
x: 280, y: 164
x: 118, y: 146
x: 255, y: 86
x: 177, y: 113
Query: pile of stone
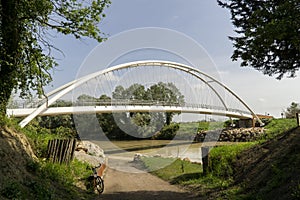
x: 89, y: 152
x: 231, y: 135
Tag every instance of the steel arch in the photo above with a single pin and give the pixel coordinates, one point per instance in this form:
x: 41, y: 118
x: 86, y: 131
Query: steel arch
x: 59, y: 92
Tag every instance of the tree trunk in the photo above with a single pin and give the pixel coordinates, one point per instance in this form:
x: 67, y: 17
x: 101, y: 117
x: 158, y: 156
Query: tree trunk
x: 5, y: 91
x: 168, y: 118
x: 10, y: 37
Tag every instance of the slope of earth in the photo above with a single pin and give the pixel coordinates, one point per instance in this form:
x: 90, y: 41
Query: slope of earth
x: 270, y: 170
x: 20, y: 177
x: 15, y: 155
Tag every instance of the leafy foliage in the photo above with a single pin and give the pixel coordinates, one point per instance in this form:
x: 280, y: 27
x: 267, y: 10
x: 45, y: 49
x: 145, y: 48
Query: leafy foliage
x: 117, y: 125
x: 26, y: 50
x: 222, y: 158
x: 168, y: 132
x: 292, y: 110
x: 268, y: 34
x: 140, y: 125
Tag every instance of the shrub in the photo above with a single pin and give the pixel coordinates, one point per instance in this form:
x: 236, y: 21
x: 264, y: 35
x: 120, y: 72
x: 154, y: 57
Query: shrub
x: 167, y: 132
x: 223, y: 157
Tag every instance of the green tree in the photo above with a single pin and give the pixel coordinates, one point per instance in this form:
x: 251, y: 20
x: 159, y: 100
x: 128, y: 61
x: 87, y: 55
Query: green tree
x: 119, y: 92
x: 85, y: 99
x: 25, y: 53
x: 63, y: 124
x: 268, y: 34
x: 292, y: 110
x: 104, y: 98
x: 146, y: 124
x: 168, y: 132
x: 135, y: 92
x: 166, y: 93
x: 133, y: 125
x: 106, y: 120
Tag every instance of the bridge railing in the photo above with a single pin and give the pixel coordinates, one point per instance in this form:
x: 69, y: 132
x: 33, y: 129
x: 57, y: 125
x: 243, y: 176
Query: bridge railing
x: 26, y: 103
x: 156, y: 103
x: 126, y: 102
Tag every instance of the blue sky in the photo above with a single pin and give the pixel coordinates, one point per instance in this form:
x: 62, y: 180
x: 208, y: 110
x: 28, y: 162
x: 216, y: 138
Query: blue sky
x: 202, y: 20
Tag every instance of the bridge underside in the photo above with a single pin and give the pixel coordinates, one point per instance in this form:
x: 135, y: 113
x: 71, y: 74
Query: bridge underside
x: 118, y: 109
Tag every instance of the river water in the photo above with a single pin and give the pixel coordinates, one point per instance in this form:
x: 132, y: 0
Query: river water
x: 165, y: 148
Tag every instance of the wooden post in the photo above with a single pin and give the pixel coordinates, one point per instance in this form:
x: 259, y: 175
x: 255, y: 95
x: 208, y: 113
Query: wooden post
x: 298, y: 120
x: 205, y: 159
x: 61, y: 151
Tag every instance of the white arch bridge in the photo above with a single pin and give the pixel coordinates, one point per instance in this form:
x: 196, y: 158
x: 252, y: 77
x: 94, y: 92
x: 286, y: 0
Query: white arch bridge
x: 202, y: 84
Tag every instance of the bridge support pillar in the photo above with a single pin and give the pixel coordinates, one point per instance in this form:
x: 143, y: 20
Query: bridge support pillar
x: 246, y: 123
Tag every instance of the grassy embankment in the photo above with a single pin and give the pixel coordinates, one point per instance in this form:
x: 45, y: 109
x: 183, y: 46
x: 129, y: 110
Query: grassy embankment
x: 40, y: 179
x: 230, y: 166
x: 188, y: 130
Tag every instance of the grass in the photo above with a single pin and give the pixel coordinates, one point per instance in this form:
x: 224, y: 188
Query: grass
x: 189, y: 174
x: 189, y: 129
x: 53, y: 181
x: 170, y: 169
x: 48, y: 181
x: 66, y: 175
x: 222, y: 159
x: 277, y: 127
x: 39, y: 137
x: 45, y: 180
x: 184, y: 173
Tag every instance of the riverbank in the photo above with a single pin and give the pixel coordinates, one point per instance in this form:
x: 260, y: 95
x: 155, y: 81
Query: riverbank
x: 267, y: 169
x: 159, y: 148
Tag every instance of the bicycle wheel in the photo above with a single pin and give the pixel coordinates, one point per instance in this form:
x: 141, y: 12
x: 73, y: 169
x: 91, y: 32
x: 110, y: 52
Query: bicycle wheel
x: 99, y: 184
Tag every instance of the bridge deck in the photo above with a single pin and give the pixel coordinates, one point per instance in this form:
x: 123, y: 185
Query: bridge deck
x: 129, y: 108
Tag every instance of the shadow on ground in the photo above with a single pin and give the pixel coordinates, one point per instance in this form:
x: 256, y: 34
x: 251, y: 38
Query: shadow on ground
x: 186, y: 177
x: 146, y: 195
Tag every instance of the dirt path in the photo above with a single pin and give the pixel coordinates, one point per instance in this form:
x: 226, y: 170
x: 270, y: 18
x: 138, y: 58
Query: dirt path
x: 123, y: 181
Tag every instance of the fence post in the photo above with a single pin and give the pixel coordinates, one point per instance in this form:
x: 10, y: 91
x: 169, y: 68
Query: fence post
x: 298, y: 120
x: 61, y: 151
x: 205, y: 159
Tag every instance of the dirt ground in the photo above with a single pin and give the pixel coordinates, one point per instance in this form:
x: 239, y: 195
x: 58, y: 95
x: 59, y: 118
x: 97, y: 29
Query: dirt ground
x: 123, y: 181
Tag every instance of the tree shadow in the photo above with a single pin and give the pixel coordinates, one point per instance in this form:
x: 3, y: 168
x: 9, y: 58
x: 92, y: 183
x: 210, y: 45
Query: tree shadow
x: 147, y: 195
x: 186, y: 177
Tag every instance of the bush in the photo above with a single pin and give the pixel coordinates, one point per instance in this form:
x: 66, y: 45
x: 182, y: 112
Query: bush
x: 167, y: 132
x: 223, y: 157
x: 12, y: 190
x: 39, y: 137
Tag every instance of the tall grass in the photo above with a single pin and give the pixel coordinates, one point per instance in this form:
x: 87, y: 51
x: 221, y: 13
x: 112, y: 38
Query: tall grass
x: 222, y: 158
x: 277, y: 127
x: 48, y: 181
x: 45, y: 180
